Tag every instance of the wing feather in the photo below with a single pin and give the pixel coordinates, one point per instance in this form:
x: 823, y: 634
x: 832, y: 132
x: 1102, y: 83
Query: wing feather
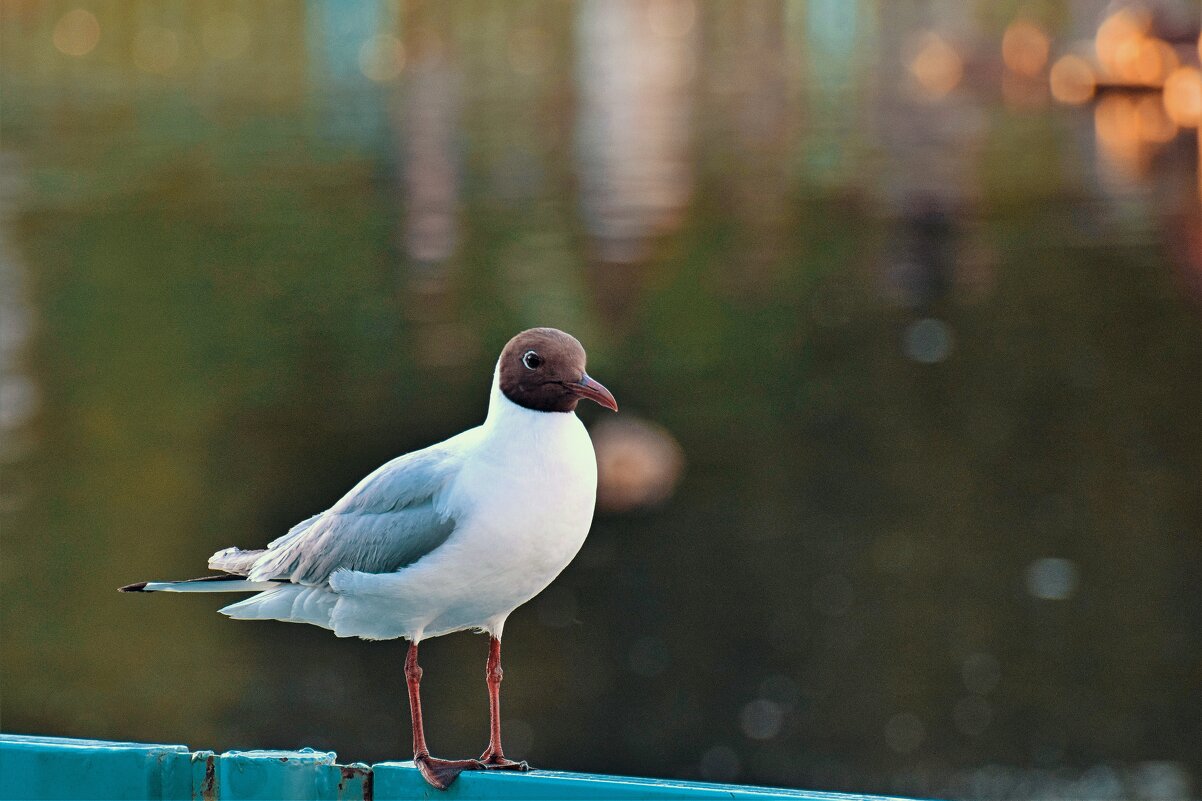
x: 389, y: 520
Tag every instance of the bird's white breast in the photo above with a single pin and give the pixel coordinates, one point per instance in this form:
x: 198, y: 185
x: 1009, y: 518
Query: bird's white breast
x: 524, y: 503
x: 531, y: 487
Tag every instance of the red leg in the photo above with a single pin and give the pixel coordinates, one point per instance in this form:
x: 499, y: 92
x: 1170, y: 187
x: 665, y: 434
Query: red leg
x: 494, y: 757
x: 438, y: 772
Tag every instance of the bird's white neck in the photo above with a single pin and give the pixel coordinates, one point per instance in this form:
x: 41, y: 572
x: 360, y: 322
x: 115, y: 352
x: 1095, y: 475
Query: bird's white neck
x: 504, y: 413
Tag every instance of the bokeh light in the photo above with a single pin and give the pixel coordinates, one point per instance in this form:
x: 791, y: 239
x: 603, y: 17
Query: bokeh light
x: 638, y: 464
x: 77, y: 32
x: 1072, y: 80
x: 382, y: 58
x: 1129, y: 54
x: 761, y: 719
x: 1025, y: 48
x: 935, y: 66
x: 1183, y: 96
x: 1052, y: 579
x: 1119, y: 42
x: 927, y: 341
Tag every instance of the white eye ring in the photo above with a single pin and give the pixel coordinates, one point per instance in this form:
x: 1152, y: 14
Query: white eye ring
x: 532, y: 360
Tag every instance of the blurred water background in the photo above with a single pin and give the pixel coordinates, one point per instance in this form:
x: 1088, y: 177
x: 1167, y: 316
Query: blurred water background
x: 902, y: 302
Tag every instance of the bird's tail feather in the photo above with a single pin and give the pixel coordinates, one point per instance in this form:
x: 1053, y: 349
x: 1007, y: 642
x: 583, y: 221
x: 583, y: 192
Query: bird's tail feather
x: 206, y: 584
x: 291, y: 603
x: 234, y: 560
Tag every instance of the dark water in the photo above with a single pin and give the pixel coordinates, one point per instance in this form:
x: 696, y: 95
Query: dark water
x: 931, y: 355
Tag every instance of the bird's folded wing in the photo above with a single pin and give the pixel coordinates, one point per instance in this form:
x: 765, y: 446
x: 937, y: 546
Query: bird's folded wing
x: 390, y: 519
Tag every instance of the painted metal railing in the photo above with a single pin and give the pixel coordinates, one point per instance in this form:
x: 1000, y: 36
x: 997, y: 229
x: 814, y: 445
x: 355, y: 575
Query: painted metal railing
x: 56, y: 768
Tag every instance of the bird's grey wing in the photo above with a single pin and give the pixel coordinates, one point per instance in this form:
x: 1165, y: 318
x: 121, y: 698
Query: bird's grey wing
x: 390, y: 519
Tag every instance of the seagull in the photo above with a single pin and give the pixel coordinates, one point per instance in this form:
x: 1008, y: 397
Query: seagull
x: 449, y: 538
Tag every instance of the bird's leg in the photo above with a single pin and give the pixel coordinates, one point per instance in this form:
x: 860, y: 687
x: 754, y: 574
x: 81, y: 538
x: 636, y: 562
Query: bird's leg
x: 438, y: 772
x: 494, y: 757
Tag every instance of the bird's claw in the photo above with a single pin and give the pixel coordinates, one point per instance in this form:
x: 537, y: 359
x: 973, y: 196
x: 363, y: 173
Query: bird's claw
x: 439, y: 773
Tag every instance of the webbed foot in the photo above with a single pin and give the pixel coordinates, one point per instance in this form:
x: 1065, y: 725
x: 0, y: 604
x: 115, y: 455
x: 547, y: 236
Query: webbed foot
x: 440, y: 773
x: 491, y: 761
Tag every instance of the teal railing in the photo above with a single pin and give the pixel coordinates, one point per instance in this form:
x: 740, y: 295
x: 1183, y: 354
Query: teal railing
x: 56, y: 768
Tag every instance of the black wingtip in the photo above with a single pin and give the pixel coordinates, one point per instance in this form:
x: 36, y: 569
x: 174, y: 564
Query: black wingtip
x: 139, y: 587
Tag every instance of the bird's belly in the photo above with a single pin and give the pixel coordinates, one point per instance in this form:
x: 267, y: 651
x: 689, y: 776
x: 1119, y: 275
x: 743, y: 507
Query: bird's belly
x: 520, y: 535
x: 473, y: 581
x: 525, y: 541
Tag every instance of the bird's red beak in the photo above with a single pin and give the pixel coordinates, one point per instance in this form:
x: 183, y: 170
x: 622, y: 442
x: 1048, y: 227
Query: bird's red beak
x: 594, y: 391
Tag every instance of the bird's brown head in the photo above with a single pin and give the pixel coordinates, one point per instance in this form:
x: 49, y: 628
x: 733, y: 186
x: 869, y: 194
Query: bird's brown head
x: 543, y: 369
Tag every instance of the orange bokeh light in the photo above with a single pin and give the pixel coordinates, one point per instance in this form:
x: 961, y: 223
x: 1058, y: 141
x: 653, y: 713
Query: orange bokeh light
x: 1155, y: 61
x: 1072, y: 80
x: 1118, y: 39
x: 1128, y: 54
x: 1025, y: 48
x: 1183, y: 96
x: 936, y: 66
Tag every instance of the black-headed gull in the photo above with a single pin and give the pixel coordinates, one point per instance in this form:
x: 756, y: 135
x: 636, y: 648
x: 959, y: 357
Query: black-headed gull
x: 450, y: 538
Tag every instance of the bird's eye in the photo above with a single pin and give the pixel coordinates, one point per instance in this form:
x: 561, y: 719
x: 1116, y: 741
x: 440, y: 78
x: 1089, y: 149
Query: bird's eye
x: 532, y: 360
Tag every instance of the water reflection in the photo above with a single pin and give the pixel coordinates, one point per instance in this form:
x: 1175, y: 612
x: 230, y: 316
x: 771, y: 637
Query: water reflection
x: 430, y: 114
x: 636, y: 60
x: 19, y: 394
x: 1143, y: 63
x: 915, y: 289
